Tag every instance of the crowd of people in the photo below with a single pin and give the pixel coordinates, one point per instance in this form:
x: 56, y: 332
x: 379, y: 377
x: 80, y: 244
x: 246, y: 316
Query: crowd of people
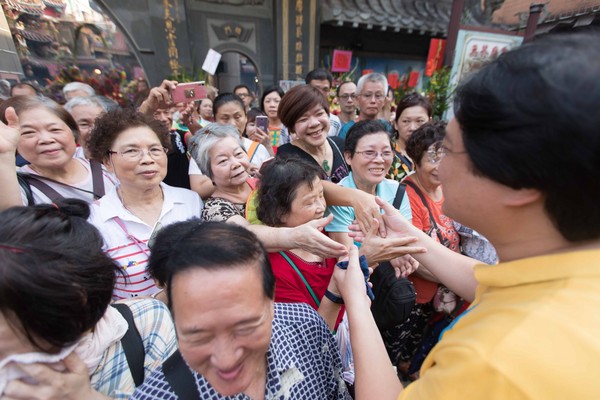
x: 188, y: 251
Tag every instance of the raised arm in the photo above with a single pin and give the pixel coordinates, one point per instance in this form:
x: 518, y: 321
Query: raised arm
x: 9, y: 138
x: 159, y: 97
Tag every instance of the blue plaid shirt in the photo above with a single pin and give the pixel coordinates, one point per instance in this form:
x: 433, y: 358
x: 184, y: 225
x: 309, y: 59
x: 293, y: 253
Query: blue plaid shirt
x: 303, y: 362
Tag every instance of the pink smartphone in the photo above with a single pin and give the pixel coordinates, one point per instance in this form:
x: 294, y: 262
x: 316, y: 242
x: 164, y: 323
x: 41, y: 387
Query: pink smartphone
x: 262, y: 122
x: 189, y: 91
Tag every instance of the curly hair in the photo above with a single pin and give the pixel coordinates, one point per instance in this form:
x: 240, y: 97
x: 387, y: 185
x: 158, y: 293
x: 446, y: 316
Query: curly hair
x: 110, y: 125
x: 280, y: 180
x: 426, y: 135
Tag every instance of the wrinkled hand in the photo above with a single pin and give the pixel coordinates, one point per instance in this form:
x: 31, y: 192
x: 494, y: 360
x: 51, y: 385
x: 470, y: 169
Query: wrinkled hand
x: 253, y: 170
x: 159, y: 97
x: 378, y: 249
x: 187, y: 118
x: 10, y: 132
x: 351, y: 281
x: 404, y: 266
x: 365, y: 210
x: 309, y: 237
x: 71, y: 384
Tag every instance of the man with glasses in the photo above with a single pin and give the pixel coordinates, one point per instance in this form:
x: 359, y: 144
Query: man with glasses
x: 346, y: 94
x: 244, y: 93
x: 371, y: 90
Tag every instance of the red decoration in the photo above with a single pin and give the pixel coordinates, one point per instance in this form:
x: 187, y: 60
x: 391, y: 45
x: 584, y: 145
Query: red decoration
x: 367, y: 71
x: 435, y: 58
x: 413, y: 79
x: 393, y: 80
x: 342, y: 61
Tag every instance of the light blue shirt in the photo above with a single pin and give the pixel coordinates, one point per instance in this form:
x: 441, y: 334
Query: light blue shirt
x: 386, y: 190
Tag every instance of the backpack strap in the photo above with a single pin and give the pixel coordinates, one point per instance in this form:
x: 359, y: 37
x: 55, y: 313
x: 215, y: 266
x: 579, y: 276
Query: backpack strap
x: 133, y: 346
x: 180, y: 377
x: 97, y: 179
x: 399, y: 196
x: 339, y: 152
x: 252, y: 150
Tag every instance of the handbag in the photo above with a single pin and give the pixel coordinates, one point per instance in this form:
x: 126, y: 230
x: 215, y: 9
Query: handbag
x: 394, y: 297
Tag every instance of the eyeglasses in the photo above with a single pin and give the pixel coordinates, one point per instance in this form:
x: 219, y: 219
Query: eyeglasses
x: 372, y: 154
x: 137, y: 154
x: 345, y: 97
x: 378, y: 96
x: 243, y: 95
x: 438, y: 151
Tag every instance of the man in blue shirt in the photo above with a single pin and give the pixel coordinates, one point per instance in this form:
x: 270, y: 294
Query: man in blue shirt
x: 236, y: 342
x: 371, y: 90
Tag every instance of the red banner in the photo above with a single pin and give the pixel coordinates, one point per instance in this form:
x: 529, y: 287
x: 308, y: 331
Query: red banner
x: 413, y: 79
x: 435, y: 58
x: 393, y: 80
x: 342, y: 61
x: 367, y: 71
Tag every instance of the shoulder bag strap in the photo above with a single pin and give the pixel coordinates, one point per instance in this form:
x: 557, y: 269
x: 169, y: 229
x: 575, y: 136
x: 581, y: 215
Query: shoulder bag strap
x: 312, y: 293
x: 97, y: 179
x: 43, y: 187
x: 426, y: 204
x: 133, y: 346
x: 335, y: 146
x: 24, y: 184
x: 252, y: 150
x: 399, y: 195
x: 179, y: 377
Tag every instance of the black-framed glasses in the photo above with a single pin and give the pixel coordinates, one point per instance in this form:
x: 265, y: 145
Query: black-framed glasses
x: 346, y: 97
x: 155, y: 153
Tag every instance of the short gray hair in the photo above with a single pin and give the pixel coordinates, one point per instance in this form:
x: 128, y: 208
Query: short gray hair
x: 93, y: 101
x: 72, y: 86
x: 375, y: 77
x: 204, y: 140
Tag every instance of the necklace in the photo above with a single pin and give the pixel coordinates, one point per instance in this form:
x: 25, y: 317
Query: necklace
x: 326, y: 166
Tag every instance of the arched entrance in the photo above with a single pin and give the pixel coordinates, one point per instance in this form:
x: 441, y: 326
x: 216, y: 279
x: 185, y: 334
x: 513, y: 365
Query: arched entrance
x: 236, y: 68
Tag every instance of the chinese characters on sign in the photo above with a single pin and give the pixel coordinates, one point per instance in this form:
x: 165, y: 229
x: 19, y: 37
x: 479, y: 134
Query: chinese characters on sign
x: 170, y: 35
x: 299, y: 21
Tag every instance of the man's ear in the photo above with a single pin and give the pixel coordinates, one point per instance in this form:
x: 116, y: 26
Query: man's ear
x: 521, y: 197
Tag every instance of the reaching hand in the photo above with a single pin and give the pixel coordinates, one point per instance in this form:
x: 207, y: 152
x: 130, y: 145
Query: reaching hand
x: 351, y: 281
x: 394, y: 221
x: 378, y: 249
x: 9, y: 132
x: 159, y: 97
x: 365, y: 210
x: 309, y: 237
x: 404, y: 266
x: 71, y: 384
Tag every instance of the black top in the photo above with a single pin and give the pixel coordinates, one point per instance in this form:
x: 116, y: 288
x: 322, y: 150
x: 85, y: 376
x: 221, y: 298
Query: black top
x: 339, y: 169
x: 178, y: 161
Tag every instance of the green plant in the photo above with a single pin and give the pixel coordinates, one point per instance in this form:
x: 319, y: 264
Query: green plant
x: 439, y: 91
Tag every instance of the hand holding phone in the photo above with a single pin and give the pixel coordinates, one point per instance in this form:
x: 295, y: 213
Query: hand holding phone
x: 262, y: 123
x: 190, y: 91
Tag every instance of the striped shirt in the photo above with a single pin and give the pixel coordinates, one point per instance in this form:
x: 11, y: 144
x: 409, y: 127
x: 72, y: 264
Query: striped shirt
x: 153, y: 321
x: 126, y: 236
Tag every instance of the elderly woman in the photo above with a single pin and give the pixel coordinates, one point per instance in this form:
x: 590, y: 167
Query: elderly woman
x: 134, y: 148
x: 84, y: 111
x: 218, y: 151
x: 45, y: 134
x: 58, y: 336
x: 291, y: 194
x: 412, y: 111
